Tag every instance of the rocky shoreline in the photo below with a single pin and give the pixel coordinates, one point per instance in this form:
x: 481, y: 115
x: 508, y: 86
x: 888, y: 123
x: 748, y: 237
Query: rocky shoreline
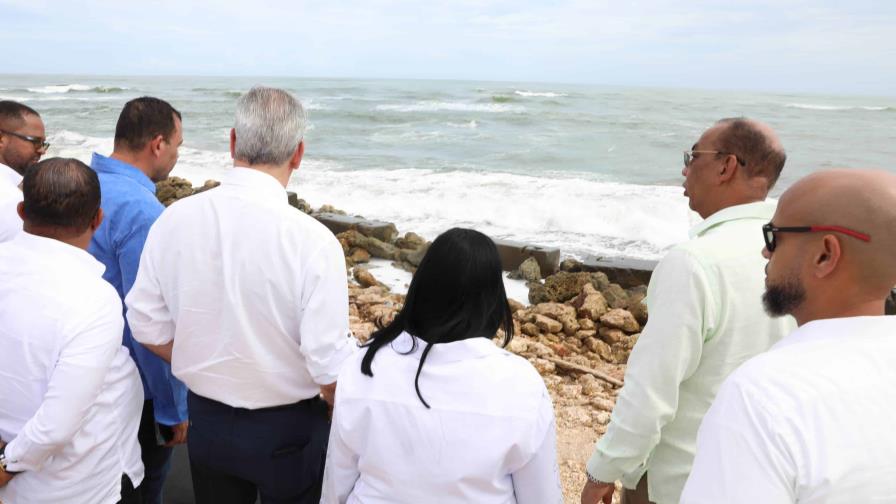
x: 577, y: 331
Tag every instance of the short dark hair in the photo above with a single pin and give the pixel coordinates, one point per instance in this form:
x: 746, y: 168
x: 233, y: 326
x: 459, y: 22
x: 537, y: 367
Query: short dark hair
x: 761, y: 158
x: 62, y: 193
x: 12, y: 113
x: 457, y: 293
x: 143, y: 119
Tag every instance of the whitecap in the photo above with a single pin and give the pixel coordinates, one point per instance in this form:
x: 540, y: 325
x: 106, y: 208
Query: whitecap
x: 469, y: 125
x: 541, y: 94
x: 59, y: 88
x: 438, y: 106
x: 812, y: 106
x: 579, y: 215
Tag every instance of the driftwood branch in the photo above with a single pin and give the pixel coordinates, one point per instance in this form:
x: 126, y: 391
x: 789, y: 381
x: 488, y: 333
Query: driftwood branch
x: 582, y: 369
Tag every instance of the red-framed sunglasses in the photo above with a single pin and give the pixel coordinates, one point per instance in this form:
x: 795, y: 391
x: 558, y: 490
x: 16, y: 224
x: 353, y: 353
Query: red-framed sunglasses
x: 769, y: 230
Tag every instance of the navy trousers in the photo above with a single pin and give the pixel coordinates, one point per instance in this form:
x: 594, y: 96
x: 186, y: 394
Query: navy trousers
x: 238, y: 454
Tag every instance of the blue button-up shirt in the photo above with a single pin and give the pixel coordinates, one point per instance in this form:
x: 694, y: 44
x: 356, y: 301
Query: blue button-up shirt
x: 130, y: 207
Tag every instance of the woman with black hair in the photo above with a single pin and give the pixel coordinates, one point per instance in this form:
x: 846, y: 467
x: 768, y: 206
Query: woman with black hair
x: 433, y: 411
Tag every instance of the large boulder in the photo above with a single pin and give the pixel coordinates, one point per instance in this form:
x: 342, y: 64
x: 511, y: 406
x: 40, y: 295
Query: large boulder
x: 547, y: 324
x: 620, y: 319
x: 591, y: 306
x: 359, y: 255
x: 413, y: 256
x: 563, y: 286
x: 364, y: 277
x: 172, y: 189
x: 411, y: 241
x: 528, y: 271
x: 616, y: 296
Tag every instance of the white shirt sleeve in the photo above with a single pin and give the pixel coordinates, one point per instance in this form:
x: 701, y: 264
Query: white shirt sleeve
x: 667, y: 353
x: 325, y: 339
x: 538, y: 482
x: 75, y: 383
x: 341, y: 470
x: 742, y: 455
x: 148, y: 315
x: 10, y: 222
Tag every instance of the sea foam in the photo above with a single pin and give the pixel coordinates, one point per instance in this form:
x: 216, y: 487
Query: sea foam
x: 578, y: 215
x: 438, y: 106
x: 812, y: 106
x: 540, y: 94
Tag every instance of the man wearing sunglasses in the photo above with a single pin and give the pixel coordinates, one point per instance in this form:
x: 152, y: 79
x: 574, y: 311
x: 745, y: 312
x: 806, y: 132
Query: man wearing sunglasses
x: 811, y: 420
x: 706, y: 318
x: 22, y: 143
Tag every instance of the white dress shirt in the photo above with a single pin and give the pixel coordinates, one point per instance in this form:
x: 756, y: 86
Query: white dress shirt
x: 10, y: 196
x: 70, y: 396
x: 810, y: 421
x: 706, y: 318
x: 489, y: 437
x: 252, y: 292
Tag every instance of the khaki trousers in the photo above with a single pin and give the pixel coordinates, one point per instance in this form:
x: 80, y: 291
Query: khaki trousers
x: 638, y: 495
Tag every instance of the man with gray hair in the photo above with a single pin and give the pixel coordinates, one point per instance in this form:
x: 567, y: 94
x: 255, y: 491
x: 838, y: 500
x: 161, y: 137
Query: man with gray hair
x: 247, y: 298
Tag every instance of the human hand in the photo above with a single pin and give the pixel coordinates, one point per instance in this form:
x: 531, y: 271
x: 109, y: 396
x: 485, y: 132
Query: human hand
x: 5, y: 477
x: 180, y: 434
x: 595, y: 493
x: 328, y: 393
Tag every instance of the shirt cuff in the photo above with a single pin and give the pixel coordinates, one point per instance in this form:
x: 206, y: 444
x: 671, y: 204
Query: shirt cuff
x: 600, y: 467
x: 325, y: 373
x: 14, y: 457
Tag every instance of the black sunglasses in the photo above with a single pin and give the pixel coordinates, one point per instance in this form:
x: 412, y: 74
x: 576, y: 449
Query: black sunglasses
x: 37, y: 142
x: 769, y: 230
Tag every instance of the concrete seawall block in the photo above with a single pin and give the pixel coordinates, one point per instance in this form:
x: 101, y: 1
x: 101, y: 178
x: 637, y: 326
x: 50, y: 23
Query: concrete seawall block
x: 383, y: 231
x: 625, y: 272
x: 513, y: 254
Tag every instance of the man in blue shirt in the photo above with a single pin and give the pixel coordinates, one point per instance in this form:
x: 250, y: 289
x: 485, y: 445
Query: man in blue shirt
x: 147, y: 138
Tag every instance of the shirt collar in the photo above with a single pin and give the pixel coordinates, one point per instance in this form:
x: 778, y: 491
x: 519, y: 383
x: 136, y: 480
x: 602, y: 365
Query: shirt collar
x: 250, y: 178
x: 60, y: 249
x: 472, y: 348
x: 11, y: 176
x: 835, y: 328
x: 763, y: 210
x: 103, y: 164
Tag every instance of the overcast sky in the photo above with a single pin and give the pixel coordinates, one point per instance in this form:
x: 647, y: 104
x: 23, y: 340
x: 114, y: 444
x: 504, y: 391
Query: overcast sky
x: 843, y: 46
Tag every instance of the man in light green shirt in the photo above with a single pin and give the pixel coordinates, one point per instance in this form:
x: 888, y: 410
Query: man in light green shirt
x: 706, y: 318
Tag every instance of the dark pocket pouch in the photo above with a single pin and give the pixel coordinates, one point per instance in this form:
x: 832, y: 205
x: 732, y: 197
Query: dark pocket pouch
x: 297, y: 468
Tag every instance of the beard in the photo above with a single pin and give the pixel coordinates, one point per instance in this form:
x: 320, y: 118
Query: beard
x: 784, y: 297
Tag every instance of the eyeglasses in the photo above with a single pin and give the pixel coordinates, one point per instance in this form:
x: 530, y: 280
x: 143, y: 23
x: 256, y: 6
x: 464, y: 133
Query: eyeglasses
x: 38, y: 142
x: 769, y: 230
x: 689, y: 156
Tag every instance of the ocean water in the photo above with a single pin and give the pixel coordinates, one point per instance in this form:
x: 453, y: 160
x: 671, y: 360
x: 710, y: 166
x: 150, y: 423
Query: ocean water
x: 593, y: 170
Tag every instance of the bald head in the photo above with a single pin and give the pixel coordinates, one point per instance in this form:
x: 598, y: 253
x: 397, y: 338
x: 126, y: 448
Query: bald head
x: 757, y: 146
x: 860, y: 200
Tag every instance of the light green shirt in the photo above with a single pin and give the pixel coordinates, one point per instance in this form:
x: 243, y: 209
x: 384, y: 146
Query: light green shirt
x: 706, y: 318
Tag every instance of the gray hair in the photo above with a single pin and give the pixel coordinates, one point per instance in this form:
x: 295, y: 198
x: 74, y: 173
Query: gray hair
x: 269, y: 125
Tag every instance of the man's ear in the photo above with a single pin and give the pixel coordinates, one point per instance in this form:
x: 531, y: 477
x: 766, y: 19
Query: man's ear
x: 20, y: 209
x: 828, y: 256
x: 97, y: 220
x: 728, y: 169
x: 232, y: 143
x: 296, y: 159
x: 155, y: 145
